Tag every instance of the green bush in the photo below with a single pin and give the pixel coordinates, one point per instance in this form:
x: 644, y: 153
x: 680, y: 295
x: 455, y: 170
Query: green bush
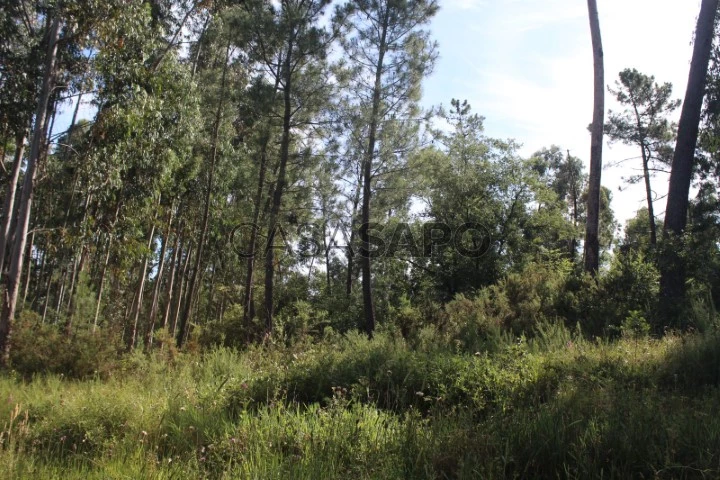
x: 631, y: 284
x: 516, y: 306
x: 44, y: 348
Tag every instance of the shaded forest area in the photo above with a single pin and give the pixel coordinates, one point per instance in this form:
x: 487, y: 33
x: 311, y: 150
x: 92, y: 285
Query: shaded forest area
x: 262, y: 258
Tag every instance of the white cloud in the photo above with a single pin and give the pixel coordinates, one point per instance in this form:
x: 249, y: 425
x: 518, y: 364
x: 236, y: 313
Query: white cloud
x: 464, y: 4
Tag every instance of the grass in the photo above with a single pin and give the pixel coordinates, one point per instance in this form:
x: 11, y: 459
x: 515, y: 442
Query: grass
x: 555, y: 406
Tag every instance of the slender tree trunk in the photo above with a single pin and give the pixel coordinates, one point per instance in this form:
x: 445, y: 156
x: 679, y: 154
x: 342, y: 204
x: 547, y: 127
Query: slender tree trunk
x: 140, y: 292
x: 184, y: 319
x: 174, y: 267
x: 575, y: 194
x: 103, y: 272
x: 78, y: 267
x: 71, y: 128
x: 18, y: 251
x: 9, y: 204
x: 39, y: 277
x: 196, y: 60
x: 592, y: 227
x: 60, y: 295
x: 351, y: 242
x: 672, y: 269
x: 248, y: 312
x: 47, y: 296
x: 70, y: 294
x: 3, y: 148
x: 328, y: 280
x: 368, y: 307
x: 101, y: 284
x: 28, y: 272
x: 182, y: 287
x: 154, y: 304
x: 279, y: 190
x: 648, y: 194
x: 645, y: 155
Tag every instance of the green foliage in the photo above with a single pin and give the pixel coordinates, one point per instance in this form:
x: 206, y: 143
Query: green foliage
x: 553, y: 406
x: 45, y: 348
x: 631, y: 285
x: 518, y: 304
x: 635, y: 325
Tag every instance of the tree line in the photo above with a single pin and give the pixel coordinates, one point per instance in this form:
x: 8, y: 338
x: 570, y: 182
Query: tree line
x: 302, y: 120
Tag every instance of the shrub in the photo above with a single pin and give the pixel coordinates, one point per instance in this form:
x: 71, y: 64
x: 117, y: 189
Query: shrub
x: 45, y: 348
x: 516, y: 305
x: 631, y: 284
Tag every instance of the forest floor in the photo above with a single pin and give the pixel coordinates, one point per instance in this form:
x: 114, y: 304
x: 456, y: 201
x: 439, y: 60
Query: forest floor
x: 555, y: 406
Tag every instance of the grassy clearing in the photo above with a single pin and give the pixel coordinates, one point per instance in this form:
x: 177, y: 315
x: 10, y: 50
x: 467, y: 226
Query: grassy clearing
x: 554, y: 406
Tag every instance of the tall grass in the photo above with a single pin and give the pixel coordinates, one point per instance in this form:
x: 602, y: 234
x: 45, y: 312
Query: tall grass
x: 554, y: 406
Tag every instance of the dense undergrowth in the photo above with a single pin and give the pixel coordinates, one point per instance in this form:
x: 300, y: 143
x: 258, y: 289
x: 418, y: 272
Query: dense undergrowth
x: 554, y: 405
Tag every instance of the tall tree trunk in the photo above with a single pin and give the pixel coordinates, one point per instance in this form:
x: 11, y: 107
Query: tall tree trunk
x: 648, y: 195
x: 140, y: 292
x: 79, y: 265
x: 175, y: 264
x: 575, y: 194
x: 211, y: 290
x: 154, y: 304
x: 71, y: 128
x: 9, y: 204
x: 184, y: 319
x: 60, y: 294
x: 13, y: 281
x: 40, y: 276
x: 248, y: 312
x: 47, y: 296
x: 101, y: 284
x: 672, y: 269
x: 3, y: 147
x: 327, y: 245
x: 368, y: 307
x: 279, y: 190
x: 182, y: 287
x: 351, y: 241
x: 28, y: 272
x: 103, y: 272
x: 592, y: 227
x: 645, y: 155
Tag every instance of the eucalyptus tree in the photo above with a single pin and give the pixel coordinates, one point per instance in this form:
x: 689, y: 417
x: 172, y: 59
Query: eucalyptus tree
x: 213, y: 153
x: 137, y: 154
x: 21, y: 44
x: 389, y: 53
x: 644, y: 124
x: 22, y: 50
x: 24, y: 208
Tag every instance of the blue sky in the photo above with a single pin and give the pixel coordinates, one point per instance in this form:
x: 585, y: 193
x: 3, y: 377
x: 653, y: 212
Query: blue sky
x: 526, y: 65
